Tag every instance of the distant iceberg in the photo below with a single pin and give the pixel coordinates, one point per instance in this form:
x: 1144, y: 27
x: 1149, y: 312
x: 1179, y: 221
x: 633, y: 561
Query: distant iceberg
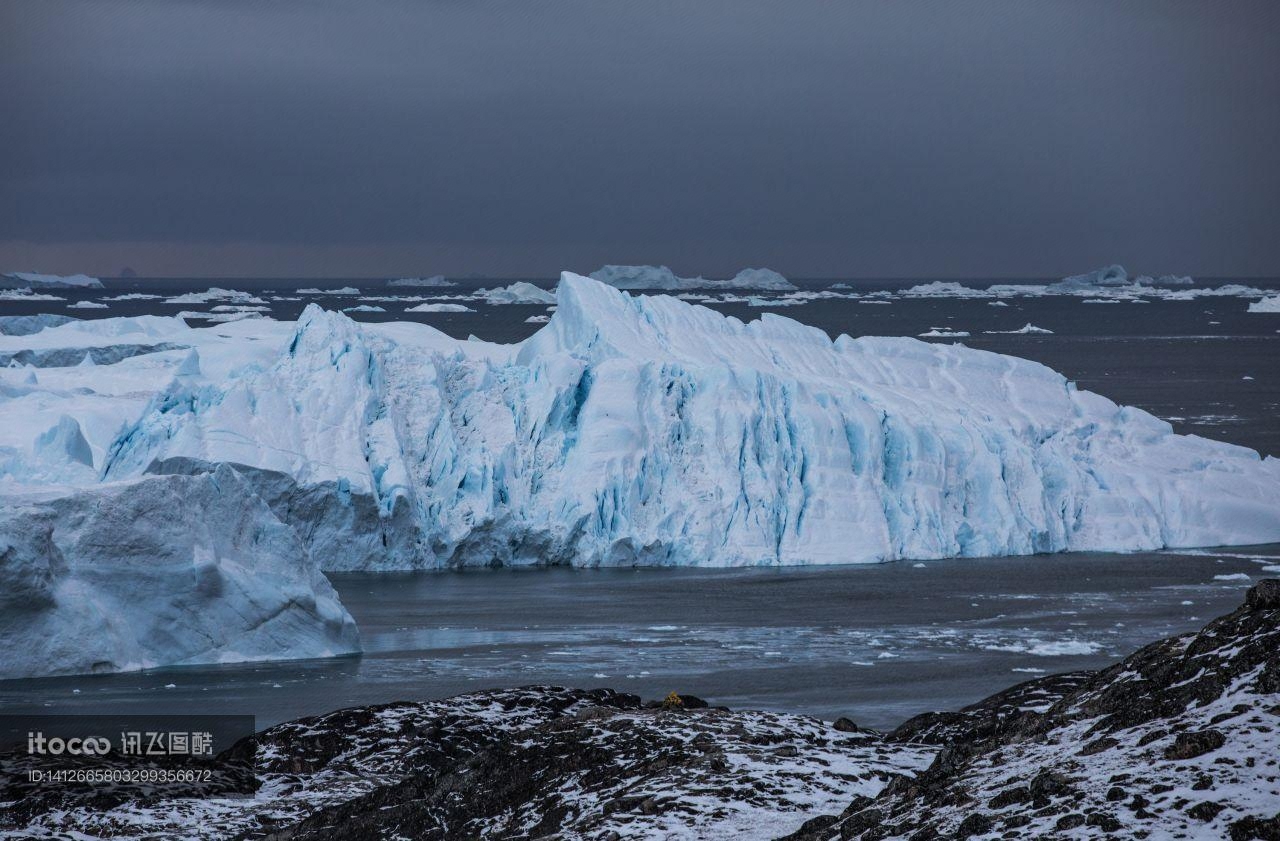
x: 520, y: 292
x: 661, y: 278
x: 215, y: 293
x: 433, y: 281
x: 341, y: 290
x: 34, y: 280
x: 1270, y: 304
x: 439, y: 308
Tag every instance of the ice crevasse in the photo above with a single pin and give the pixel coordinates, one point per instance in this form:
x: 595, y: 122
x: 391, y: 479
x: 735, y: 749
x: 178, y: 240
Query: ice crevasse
x: 645, y: 430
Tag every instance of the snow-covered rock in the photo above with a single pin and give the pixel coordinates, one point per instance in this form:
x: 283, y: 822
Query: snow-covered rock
x: 34, y: 280
x: 520, y: 292
x: 645, y: 430
x: 155, y: 571
x: 1270, y: 304
x: 439, y: 308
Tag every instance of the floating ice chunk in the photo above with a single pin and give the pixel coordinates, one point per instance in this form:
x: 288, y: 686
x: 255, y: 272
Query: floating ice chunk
x: 341, y: 290
x: 1025, y: 329
x: 364, y: 308
x: 943, y: 333
x: 215, y: 293
x: 1270, y: 304
x: 26, y: 295
x: 944, y: 289
x: 439, y: 308
x: 86, y: 305
x: 537, y: 319
x: 520, y: 292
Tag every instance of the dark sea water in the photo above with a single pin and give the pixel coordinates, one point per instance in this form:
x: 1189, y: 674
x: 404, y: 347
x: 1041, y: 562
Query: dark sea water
x: 877, y: 643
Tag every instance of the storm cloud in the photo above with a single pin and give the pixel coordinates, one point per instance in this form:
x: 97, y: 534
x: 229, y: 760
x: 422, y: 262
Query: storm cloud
x: 895, y: 138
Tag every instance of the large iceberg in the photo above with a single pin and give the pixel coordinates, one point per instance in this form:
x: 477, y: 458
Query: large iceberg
x: 162, y: 570
x: 640, y: 430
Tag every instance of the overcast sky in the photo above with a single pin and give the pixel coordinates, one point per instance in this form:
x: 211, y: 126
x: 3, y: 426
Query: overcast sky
x: 822, y: 139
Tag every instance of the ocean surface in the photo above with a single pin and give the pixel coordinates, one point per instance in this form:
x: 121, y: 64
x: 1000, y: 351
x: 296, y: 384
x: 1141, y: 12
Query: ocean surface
x: 876, y: 643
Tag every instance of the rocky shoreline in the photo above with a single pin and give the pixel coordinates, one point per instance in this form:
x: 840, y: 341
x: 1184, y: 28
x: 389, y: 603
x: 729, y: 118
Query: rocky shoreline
x: 1180, y: 739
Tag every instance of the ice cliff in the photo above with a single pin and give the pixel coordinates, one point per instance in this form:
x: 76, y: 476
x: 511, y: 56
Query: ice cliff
x: 645, y: 430
x: 157, y: 571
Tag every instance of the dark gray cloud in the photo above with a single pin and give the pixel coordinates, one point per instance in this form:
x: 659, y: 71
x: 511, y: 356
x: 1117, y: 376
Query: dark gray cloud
x: 1008, y: 137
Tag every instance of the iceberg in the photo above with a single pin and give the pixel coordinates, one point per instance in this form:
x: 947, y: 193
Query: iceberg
x: 1107, y: 277
x: 233, y: 296
x: 25, y: 325
x: 1025, y: 329
x: 439, y: 308
x: 433, y: 281
x: 86, y: 305
x: 520, y: 292
x: 762, y: 279
x: 636, y: 278
x: 34, y: 280
x: 1269, y: 304
x: 644, y: 430
x: 166, y: 570
x: 341, y: 290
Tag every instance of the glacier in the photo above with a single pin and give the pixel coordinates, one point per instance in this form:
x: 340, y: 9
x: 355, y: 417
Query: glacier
x: 631, y: 430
